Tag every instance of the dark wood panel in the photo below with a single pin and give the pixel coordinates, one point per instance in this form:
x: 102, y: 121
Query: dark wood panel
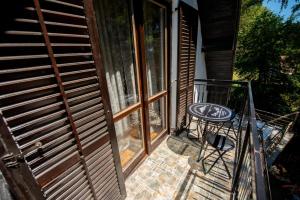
x: 54, y: 102
x: 220, y: 60
x: 188, y: 29
x: 219, y: 27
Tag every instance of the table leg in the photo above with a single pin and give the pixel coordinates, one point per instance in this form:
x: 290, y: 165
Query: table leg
x: 203, y: 140
x: 188, y: 127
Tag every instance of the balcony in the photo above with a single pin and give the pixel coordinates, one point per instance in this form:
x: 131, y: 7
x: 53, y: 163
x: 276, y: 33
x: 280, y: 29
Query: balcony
x: 82, y: 84
x: 172, y: 170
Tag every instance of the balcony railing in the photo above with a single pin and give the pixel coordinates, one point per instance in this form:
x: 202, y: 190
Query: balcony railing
x: 250, y: 174
x: 274, y: 128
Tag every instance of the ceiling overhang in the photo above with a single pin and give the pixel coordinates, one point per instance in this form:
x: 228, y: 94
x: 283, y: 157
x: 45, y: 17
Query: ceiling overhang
x: 219, y: 27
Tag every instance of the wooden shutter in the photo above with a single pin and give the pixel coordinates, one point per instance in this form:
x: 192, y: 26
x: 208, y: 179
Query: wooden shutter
x: 188, y: 29
x: 57, y: 136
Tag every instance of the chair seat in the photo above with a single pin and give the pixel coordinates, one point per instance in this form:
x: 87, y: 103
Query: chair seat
x: 219, y: 142
x: 233, y: 114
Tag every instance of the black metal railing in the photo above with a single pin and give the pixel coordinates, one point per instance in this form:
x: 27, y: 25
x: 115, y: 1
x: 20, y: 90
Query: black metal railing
x: 273, y: 128
x: 250, y: 174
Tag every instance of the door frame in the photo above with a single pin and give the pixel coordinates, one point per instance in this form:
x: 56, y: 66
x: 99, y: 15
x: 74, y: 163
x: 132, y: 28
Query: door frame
x: 138, y: 32
x: 136, y: 7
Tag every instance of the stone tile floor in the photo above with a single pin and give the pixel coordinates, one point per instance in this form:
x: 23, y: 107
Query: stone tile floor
x: 172, y: 172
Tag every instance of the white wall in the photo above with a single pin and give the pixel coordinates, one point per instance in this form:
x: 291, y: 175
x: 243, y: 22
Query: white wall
x: 200, y: 61
x: 192, y: 3
x: 174, y: 52
x: 200, y: 72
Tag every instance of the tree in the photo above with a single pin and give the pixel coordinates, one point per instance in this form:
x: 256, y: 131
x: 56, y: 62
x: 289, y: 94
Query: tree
x: 268, y: 52
x: 259, y: 44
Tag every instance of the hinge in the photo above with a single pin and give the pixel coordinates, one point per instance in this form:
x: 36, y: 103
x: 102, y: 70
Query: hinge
x: 11, y: 160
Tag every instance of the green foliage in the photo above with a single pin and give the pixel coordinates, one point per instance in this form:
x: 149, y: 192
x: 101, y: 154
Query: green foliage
x: 259, y: 44
x: 268, y: 52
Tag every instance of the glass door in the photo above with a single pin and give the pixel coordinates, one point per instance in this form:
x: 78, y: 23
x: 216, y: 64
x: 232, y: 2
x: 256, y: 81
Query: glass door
x: 155, y: 41
x: 137, y: 89
x: 118, y: 51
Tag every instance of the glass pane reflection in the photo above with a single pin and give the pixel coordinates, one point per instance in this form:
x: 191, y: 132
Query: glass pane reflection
x: 154, y: 23
x: 129, y: 136
x: 157, y: 118
x: 116, y: 43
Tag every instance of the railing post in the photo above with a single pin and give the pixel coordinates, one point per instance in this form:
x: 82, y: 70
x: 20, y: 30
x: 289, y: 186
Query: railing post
x: 235, y: 184
x: 261, y: 182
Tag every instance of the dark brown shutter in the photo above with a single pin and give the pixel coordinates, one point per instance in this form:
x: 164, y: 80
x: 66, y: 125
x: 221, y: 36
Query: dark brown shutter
x: 188, y: 28
x: 54, y: 106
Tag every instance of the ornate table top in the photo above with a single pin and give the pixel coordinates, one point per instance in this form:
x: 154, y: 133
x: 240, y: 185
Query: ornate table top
x: 210, y: 112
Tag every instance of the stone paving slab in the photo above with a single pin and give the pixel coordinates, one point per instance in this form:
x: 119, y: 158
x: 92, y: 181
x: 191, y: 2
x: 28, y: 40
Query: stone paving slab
x: 171, y: 172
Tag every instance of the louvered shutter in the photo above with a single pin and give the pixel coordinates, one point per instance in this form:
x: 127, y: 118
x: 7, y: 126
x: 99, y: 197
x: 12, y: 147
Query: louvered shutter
x: 188, y: 28
x: 54, y: 104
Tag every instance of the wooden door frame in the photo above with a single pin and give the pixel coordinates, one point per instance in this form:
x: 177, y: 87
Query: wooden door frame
x: 140, y: 32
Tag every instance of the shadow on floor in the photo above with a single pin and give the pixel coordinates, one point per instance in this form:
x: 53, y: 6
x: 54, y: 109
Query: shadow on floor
x: 197, y: 185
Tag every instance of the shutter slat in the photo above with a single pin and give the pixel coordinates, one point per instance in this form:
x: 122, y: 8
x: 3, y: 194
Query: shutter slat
x: 75, y: 63
x: 25, y: 69
x: 72, y: 187
x: 35, y: 121
x: 90, y: 94
x: 55, y: 151
x: 40, y: 129
x: 49, y: 164
x: 46, y: 145
x: 83, y: 194
x: 91, y: 124
x: 25, y: 92
x: 77, y: 191
x: 89, y: 117
x: 86, y: 196
x: 80, y: 106
x: 77, y: 72
x: 90, y: 159
x: 25, y: 80
x: 56, y: 13
x: 31, y: 33
x: 107, y: 171
x: 10, y: 45
x: 104, y: 164
x: 34, y: 111
x: 24, y: 57
x: 85, y: 112
x: 93, y: 136
x: 107, y: 187
x: 65, y: 24
x: 80, y: 80
x: 81, y: 88
x: 67, y: 35
x: 63, y: 178
x: 66, y: 181
x: 30, y: 101
x: 65, y: 4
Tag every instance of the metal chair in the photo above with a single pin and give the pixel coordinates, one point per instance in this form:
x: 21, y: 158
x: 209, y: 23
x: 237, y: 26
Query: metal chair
x: 221, y: 144
x: 231, y: 122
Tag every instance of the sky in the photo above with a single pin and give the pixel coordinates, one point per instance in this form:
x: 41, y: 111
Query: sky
x: 275, y: 6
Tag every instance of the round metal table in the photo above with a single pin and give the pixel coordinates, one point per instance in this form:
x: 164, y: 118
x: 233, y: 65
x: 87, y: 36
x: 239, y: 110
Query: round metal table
x: 208, y: 112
